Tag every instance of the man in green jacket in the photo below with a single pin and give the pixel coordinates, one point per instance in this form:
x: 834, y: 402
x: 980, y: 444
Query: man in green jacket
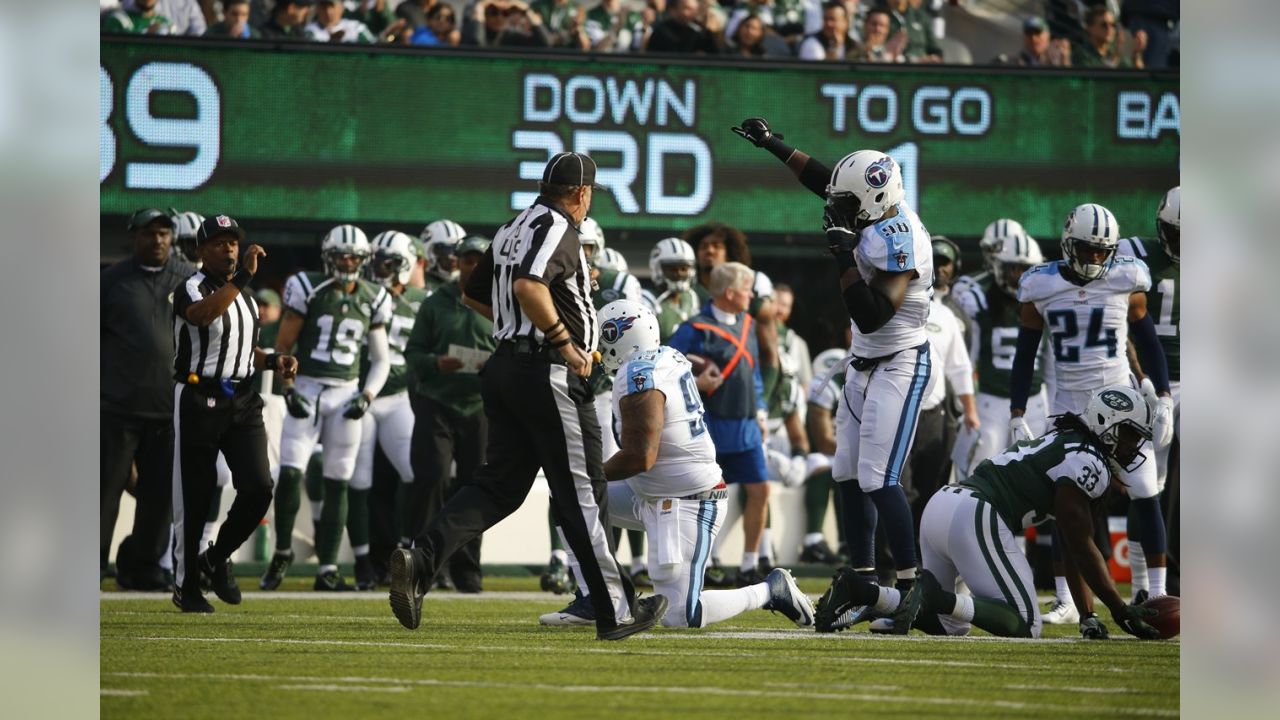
x: 449, y: 420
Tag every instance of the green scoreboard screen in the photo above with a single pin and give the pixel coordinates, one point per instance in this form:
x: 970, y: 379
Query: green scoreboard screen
x: 356, y: 135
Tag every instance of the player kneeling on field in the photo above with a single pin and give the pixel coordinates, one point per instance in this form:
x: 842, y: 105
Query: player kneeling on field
x: 672, y: 487
x: 967, y: 531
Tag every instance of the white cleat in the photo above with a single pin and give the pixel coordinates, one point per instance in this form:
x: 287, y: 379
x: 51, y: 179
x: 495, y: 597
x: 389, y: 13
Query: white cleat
x: 1060, y: 613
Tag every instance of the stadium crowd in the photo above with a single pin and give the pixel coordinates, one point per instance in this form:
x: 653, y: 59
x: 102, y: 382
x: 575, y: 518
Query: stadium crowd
x: 1056, y: 33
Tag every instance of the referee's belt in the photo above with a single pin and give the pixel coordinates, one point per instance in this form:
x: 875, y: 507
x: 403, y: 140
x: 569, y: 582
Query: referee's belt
x: 528, y: 347
x: 719, y: 492
x: 225, y: 387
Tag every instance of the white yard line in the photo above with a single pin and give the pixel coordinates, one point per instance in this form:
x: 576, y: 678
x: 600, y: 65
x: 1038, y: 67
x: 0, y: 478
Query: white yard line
x: 671, y: 689
x: 1074, y: 688
x: 346, y: 688
x: 117, y: 692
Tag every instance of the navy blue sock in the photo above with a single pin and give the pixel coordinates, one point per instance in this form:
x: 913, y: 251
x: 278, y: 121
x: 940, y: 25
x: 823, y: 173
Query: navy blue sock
x: 1055, y: 544
x: 859, y: 523
x: 1151, y: 526
x: 891, y: 502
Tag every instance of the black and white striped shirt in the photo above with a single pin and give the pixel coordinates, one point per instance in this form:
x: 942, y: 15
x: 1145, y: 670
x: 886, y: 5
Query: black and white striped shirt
x: 541, y: 244
x: 221, y: 350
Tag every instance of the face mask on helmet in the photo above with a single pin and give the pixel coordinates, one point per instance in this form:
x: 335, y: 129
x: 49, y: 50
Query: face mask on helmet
x: 845, y: 211
x: 345, y: 265
x: 1171, y: 238
x: 387, y: 267
x: 1088, y: 260
x: 444, y: 263
x: 677, y: 276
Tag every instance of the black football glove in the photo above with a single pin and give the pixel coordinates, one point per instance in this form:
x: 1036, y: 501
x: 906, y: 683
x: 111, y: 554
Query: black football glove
x: 1129, y: 618
x: 757, y: 131
x: 296, y: 403
x: 356, y: 407
x: 1091, y: 628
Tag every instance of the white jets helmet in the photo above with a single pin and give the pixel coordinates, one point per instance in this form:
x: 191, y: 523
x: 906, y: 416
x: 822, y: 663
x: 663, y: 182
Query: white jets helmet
x: 1017, y: 253
x: 994, y: 236
x: 185, y: 226
x: 672, y: 252
x: 395, y: 254
x: 826, y: 360
x: 863, y: 186
x: 611, y: 259
x: 344, y: 240
x: 1121, y: 418
x: 591, y: 235
x: 1090, y: 226
x: 1169, y: 222
x: 440, y: 240
x: 626, y: 328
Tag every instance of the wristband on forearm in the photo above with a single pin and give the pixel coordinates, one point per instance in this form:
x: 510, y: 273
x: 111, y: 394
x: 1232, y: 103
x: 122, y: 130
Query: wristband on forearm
x: 242, y: 278
x: 780, y: 150
x: 562, y: 343
x: 269, y: 363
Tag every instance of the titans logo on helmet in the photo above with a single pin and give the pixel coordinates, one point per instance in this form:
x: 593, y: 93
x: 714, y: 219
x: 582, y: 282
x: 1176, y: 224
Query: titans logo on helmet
x: 613, y: 328
x: 877, y: 174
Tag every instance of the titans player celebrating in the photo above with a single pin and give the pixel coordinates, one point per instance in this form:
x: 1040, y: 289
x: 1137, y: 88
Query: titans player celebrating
x: 885, y: 260
x: 1090, y: 302
x: 672, y: 487
x: 329, y: 315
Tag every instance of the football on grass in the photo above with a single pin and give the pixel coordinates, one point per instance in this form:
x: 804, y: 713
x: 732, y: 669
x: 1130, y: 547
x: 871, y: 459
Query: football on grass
x: 1167, y: 621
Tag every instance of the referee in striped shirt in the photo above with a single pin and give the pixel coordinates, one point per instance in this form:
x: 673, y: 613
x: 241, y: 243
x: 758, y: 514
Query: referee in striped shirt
x: 216, y: 409
x: 535, y: 284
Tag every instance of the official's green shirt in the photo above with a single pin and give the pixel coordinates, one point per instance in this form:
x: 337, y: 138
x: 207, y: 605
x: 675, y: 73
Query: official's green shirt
x: 1164, y: 303
x: 1020, y: 483
x: 404, y: 309
x: 443, y: 321
x: 335, y: 323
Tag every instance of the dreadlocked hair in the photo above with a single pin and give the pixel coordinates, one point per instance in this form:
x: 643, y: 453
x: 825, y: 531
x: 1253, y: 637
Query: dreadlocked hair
x: 735, y: 241
x: 1070, y: 422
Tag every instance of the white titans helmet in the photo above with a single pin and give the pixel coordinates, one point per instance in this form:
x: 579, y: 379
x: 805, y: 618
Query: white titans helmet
x: 1116, y: 411
x: 993, y: 238
x: 672, y: 252
x: 1090, y: 226
x: 344, y: 240
x: 863, y: 186
x: 440, y: 239
x: 626, y: 328
x: 1169, y: 222
x: 395, y: 254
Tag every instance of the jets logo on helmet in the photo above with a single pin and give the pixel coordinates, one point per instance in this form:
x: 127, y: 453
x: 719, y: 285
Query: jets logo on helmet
x: 1115, y: 400
x: 1121, y: 419
x: 626, y: 328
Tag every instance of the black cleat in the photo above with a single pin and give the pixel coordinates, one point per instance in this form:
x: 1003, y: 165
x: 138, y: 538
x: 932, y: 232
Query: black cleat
x: 750, y: 576
x: 220, y: 578
x: 836, y: 602
x: 820, y: 553
x: 193, y: 603
x: 406, y: 589
x: 647, y: 613
x: 366, y: 578
x: 909, y: 608
x: 332, y: 581
x: 276, y: 570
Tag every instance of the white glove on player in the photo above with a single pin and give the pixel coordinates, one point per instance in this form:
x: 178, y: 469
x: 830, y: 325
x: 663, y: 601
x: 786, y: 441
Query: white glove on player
x: 1162, y: 432
x: 1019, y: 430
x: 1148, y: 390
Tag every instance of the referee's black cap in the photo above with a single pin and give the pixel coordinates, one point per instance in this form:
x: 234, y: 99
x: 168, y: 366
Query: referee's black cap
x: 216, y: 225
x: 572, y: 169
x: 146, y: 216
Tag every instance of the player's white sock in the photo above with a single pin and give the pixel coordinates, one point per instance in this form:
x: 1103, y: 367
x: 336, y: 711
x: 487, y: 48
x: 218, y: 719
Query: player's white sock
x: 1156, y: 579
x: 326, y: 568
x: 812, y: 539
x: 206, y: 535
x: 1063, y: 590
x: 889, y: 600
x: 561, y: 555
x: 765, y: 549
x: 636, y: 565
x: 718, y: 605
x: 1138, y: 568
x: 964, y: 608
x: 749, y: 560
x: 360, y: 550
x: 315, y: 511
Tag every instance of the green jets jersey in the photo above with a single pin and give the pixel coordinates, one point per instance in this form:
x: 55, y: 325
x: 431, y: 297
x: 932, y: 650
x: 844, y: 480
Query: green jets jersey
x: 334, y: 323
x: 993, y: 336
x: 404, y: 309
x: 1020, y: 482
x: 434, y: 283
x: 674, y: 309
x: 615, y: 285
x: 1163, y: 302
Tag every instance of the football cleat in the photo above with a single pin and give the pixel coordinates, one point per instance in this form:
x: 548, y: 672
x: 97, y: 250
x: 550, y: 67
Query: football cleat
x: 836, y: 609
x: 881, y: 626
x: 1060, y: 613
x: 912, y: 603
x: 221, y: 579
x: 195, y: 603
x: 331, y: 581
x: 366, y: 578
x: 785, y: 597
x: 276, y: 570
x: 750, y: 576
x: 819, y: 552
x: 715, y: 576
x: 406, y: 590
x: 556, y: 578
x: 647, y: 613
x: 578, y: 612
x: 1140, y: 597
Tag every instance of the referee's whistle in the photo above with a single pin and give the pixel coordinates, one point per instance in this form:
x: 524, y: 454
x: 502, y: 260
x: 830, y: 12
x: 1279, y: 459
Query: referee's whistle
x: 595, y: 355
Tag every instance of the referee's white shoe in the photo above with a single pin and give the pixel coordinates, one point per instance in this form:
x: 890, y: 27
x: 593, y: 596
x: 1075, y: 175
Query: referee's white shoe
x: 578, y: 612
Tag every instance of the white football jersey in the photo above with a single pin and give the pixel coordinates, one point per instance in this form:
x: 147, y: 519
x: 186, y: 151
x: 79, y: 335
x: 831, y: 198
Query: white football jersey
x: 897, y: 244
x: 686, y: 456
x: 1088, y: 325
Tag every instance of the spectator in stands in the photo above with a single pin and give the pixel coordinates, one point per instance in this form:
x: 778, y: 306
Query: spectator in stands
x: 762, y: 9
x: 833, y: 42
x: 185, y: 16
x: 564, y: 23
x: 681, y: 32
x: 143, y: 19
x: 1038, y: 50
x: 642, y: 27
x: 414, y: 12
x: 330, y: 26
x: 377, y: 15
x: 909, y: 16
x: 288, y: 19
x: 878, y: 45
x: 235, y: 22
x: 1157, y: 18
x: 748, y: 38
x: 605, y: 24
x: 498, y: 23
x: 441, y: 28
x: 1102, y: 45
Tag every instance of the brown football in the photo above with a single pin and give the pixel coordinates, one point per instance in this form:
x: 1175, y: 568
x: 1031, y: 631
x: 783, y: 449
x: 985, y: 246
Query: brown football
x: 699, y: 363
x: 1167, y: 622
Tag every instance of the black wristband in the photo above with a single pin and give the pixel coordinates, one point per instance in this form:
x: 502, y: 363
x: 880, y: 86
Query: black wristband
x: 242, y: 278
x: 562, y: 343
x: 780, y: 150
x: 270, y: 362
x: 556, y: 324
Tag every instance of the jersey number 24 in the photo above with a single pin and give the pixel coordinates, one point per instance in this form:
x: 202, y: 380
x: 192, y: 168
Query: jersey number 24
x: 1065, y: 329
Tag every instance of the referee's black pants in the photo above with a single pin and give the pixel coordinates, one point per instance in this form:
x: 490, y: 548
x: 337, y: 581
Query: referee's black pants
x: 125, y: 440
x: 204, y: 423
x: 540, y: 415
x: 441, y: 436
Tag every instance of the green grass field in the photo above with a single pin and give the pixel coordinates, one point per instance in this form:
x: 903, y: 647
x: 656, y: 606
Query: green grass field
x: 298, y: 656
